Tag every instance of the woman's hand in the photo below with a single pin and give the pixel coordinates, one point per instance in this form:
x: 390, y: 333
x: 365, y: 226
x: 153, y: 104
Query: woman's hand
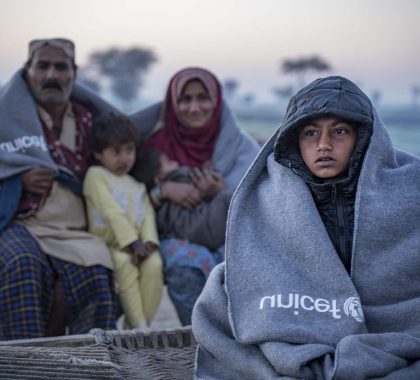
x: 208, y: 181
x: 37, y: 180
x: 143, y: 251
x: 183, y: 194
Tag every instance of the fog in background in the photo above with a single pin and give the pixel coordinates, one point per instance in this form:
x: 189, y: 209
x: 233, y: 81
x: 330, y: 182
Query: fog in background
x: 373, y: 42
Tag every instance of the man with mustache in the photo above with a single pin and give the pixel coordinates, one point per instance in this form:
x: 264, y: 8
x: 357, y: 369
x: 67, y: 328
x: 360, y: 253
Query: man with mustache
x: 52, y: 272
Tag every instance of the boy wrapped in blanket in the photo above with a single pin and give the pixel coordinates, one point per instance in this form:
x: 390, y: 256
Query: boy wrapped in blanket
x: 322, y: 252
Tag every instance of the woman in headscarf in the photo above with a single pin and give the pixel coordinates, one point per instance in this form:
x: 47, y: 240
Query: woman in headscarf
x: 195, y: 127
x: 321, y: 279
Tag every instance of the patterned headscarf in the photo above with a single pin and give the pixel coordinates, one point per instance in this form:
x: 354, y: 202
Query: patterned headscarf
x: 189, y: 146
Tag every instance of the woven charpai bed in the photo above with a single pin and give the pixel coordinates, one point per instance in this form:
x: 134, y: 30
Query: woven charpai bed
x: 126, y: 354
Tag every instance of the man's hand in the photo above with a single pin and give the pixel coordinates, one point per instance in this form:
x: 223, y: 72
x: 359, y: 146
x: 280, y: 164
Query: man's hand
x: 37, y: 180
x: 208, y: 181
x: 143, y: 251
x: 183, y: 194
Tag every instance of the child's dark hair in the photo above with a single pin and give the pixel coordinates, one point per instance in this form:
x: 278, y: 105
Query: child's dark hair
x: 112, y: 128
x: 147, y: 166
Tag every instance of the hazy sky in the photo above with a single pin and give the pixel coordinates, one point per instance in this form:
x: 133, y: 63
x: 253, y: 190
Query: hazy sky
x: 376, y: 43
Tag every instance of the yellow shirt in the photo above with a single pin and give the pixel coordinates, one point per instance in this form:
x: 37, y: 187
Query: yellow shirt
x: 118, y: 208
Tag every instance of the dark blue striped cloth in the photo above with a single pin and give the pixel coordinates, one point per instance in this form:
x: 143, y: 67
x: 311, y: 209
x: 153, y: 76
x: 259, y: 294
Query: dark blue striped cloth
x: 26, y: 289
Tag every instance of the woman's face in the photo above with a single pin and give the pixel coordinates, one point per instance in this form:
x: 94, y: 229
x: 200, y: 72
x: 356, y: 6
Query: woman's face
x: 194, y: 105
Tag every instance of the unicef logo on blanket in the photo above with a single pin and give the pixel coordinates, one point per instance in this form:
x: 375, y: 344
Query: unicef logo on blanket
x: 353, y: 308
x: 301, y: 304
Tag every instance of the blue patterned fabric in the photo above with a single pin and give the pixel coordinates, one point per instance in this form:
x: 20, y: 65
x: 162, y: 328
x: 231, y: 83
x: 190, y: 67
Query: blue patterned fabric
x: 10, y: 190
x: 26, y: 289
x: 90, y: 295
x: 186, y: 268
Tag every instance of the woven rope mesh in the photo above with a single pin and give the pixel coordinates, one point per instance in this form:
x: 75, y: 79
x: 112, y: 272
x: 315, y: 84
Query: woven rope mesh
x: 133, y: 339
x: 127, y: 354
x: 156, y: 355
x: 87, y: 362
x: 155, y: 363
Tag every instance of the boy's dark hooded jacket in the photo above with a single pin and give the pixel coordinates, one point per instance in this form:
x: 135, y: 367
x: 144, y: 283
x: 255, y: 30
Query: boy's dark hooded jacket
x: 335, y: 202
x: 283, y: 305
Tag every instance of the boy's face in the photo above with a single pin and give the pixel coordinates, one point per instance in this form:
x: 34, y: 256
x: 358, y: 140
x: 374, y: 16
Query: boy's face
x: 166, y: 166
x: 326, y: 145
x: 118, y: 158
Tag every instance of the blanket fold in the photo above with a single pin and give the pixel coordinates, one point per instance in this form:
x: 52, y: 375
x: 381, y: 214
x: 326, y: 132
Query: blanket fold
x: 22, y: 141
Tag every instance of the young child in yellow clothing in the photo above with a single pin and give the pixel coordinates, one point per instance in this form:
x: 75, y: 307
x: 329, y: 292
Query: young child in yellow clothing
x: 120, y: 212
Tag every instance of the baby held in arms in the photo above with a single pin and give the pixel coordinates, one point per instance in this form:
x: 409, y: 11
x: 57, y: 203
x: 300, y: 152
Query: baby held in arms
x: 205, y: 224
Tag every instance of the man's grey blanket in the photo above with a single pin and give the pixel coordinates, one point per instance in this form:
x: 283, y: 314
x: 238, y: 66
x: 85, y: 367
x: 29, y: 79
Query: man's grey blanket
x: 284, y: 306
x: 22, y: 141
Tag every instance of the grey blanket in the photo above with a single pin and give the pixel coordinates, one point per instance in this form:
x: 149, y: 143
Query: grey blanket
x: 22, y: 142
x: 234, y: 151
x: 284, y: 305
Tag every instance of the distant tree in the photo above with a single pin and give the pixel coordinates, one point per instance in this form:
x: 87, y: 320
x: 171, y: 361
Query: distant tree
x: 85, y: 78
x: 301, y: 66
x: 125, y: 69
x: 230, y: 86
x: 415, y: 91
x: 248, y: 98
x: 283, y: 92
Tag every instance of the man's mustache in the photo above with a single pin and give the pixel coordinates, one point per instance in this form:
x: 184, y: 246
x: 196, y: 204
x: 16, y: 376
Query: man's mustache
x: 52, y: 84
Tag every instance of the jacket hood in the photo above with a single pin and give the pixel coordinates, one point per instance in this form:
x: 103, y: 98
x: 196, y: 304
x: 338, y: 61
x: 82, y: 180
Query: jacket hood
x: 333, y: 96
